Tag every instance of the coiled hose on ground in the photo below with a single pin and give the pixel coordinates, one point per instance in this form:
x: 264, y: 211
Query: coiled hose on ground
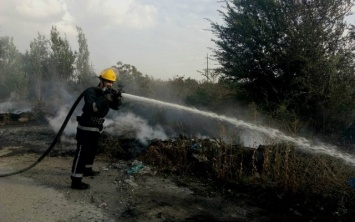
x: 50, y: 148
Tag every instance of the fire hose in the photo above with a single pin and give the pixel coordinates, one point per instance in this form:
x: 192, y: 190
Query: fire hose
x: 56, y: 139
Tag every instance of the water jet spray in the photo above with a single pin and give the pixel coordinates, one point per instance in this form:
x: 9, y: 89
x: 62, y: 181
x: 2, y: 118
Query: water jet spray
x: 300, y: 142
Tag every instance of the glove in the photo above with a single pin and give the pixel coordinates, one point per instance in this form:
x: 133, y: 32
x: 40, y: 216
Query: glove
x: 109, y: 93
x: 109, y: 97
x: 113, y: 97
x: 116, y: 103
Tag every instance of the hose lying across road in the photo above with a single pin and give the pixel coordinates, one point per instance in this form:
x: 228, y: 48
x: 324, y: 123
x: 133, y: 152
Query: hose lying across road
x: 50, y: 148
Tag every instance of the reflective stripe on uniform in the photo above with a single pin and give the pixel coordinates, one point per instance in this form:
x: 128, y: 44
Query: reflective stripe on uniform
x: 76, y: 165
x: 87, y: 128
x: 77, y: 175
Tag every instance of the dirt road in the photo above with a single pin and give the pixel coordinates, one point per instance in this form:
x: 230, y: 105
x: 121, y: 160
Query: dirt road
x: 30, y: 197
x: 44, y: 194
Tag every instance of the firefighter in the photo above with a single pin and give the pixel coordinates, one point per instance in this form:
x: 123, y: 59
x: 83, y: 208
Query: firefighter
x: 98, y: 100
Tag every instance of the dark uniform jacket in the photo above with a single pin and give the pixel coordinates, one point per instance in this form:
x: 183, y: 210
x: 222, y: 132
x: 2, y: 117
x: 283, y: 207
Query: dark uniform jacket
x: 94, y: 110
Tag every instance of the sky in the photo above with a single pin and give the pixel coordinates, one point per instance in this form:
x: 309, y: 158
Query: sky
x: 161, y: 38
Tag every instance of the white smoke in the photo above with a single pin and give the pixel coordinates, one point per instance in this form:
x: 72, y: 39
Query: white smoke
x: 252, y: 139
x: 128, y: 123
x: 14, y: 107
x: 57, y: 121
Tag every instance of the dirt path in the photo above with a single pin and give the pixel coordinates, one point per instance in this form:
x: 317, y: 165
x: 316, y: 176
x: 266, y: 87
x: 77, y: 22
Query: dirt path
x: 43, y: 194
x: 30, y: 197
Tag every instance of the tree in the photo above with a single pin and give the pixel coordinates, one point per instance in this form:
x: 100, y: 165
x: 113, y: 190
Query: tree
x: 13, y: 81
x: 38, y: 65
x: 133, y: 80
x: 62, y: 57
x: 288, y: 53
x: 84, y: 71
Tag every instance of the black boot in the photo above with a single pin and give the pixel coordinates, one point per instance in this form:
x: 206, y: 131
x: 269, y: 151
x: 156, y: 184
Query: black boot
x: 89, y: 172
x: 76, y: 183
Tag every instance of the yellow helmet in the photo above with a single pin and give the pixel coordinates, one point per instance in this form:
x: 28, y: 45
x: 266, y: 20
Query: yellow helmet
x: 108, y: 74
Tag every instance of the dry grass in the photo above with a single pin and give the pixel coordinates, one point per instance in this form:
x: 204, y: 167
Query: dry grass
x: 111, y: 147
x: 295, y: 170
x: 307, y: 176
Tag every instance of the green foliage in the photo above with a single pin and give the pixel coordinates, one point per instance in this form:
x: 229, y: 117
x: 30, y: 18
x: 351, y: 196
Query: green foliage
x: 83, y: 72
x: 179, y: 88
x: 45, y: 69
x: 37, y: 65
x: 13, y: 80
x: 62, y: 57
x: 294, y: 53
x: 133, y: 81
x: 200, y: 97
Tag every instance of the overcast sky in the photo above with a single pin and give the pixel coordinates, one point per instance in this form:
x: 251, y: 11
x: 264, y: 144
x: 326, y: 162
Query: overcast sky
x: 161, y: 38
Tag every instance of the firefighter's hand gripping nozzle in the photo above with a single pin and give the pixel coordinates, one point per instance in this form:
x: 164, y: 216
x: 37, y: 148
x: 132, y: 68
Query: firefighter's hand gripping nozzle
x: 113, y: 97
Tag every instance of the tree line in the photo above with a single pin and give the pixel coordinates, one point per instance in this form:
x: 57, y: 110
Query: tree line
x: 47, y: 66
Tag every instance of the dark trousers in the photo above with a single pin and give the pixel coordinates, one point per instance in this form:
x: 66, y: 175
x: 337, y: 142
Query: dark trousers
x: 87, y: 145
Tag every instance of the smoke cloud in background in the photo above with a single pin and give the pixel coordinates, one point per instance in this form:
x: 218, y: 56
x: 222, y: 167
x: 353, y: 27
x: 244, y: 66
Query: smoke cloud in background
x: 57, y: 121
x: 143, y: 121
x: 11, y: 105
x: 252, y: 139
x: 124, y: 124
x: 121, y: 123
x: 177, y: 122
x: 14, y: 107
x: 144, y: 126
x: 129, y: 123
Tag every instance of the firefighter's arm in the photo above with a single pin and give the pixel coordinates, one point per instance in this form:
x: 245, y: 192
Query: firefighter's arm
x: 93, y: 103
